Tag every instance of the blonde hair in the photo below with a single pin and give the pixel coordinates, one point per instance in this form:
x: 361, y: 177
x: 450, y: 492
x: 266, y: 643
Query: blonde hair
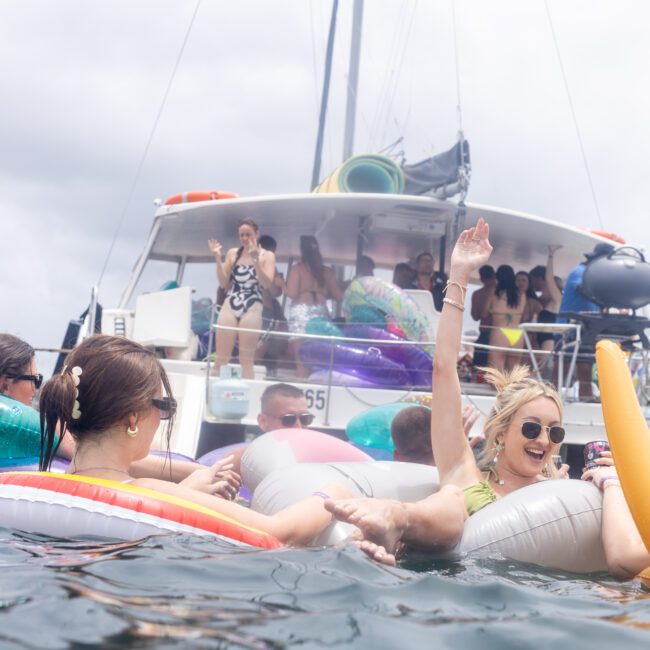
x: 514, y: 389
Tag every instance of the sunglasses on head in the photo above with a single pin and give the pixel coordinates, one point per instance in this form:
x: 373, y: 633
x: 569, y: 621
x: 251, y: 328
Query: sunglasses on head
x: 531, y: 430
x: 289, y: 419
x: 37, y: 379
x: 166, y: 406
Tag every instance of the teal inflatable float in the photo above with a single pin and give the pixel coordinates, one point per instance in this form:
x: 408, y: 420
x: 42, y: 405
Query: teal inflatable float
x: 20, y: 433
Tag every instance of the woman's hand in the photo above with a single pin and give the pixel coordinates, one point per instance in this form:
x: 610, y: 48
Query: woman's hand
x: 552, y: 249
x: 605, y: 470
x: 254, y: 250
x: 219, y: 479
x: 472, y: 250
x: 215, y: 247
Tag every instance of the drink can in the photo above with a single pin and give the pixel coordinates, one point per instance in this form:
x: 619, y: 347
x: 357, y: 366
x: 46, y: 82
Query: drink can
x: 593, y: 450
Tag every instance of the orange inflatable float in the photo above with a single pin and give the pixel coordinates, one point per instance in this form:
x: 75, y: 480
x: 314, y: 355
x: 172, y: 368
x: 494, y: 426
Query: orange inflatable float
x: 628, y: 434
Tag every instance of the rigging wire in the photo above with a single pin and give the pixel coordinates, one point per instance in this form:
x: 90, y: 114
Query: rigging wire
x: 573, y: 115
x: 145, y: 153
x: 313, y: 53
x: 399, y: 72
x: 459, y: 109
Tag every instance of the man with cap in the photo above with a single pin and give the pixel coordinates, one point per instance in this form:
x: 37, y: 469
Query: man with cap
x: 574, y: 300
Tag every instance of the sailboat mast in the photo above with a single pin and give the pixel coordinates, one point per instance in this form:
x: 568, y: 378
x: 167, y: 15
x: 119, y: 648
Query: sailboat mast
x: 315, y: 174
x: 353, y: 80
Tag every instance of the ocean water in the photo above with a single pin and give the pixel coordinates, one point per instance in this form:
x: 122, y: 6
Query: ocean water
x: 180, y: 591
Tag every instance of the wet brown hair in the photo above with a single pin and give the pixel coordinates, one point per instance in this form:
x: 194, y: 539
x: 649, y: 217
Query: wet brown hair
x: 411, y: 434
x: 118, y: 377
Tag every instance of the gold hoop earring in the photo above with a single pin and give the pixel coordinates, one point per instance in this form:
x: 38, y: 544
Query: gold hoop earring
x: 132, y: 432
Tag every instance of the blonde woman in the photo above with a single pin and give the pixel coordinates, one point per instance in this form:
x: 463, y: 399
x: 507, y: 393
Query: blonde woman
x: 523, y: 432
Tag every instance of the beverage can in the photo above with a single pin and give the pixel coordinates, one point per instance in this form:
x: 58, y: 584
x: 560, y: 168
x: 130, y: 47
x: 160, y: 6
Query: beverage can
x: 593, y: 450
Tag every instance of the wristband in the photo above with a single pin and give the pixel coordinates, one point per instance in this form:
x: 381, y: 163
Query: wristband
x: 322, y: 495
x: 600, y: 484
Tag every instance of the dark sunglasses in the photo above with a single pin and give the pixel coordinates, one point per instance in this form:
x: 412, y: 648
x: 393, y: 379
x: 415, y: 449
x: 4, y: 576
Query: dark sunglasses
x: 166, y: 406
x: 37, y: 379
x: 289, y: 419
x: 531, y: 430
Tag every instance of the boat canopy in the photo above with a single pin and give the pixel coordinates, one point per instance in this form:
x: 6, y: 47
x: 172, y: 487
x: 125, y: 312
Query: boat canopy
x: 388, y: 228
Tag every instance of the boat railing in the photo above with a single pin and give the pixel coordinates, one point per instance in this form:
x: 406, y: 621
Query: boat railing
x: 568, y: 351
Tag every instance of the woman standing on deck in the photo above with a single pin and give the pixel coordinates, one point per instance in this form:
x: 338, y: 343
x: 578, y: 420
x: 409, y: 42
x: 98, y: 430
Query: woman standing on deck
x: 310, y: 285
x: 506, y: 307
x: 244, y: 272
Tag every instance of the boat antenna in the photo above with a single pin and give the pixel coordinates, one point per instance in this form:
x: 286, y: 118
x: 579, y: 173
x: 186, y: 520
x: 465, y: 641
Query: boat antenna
x: 323, y: 102
x: 573, y: 115
x: 138, y: 171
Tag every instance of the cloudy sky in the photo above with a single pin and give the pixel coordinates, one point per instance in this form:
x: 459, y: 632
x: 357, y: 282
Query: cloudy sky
x: 83, y: 82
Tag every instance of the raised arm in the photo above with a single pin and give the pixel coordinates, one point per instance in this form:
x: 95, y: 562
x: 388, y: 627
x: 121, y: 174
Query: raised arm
x: 451, y: 450
x: 223, y: 268
x: 553, y: 290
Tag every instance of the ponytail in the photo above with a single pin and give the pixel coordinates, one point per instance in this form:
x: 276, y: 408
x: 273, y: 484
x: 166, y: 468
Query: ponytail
x: 56, y: 405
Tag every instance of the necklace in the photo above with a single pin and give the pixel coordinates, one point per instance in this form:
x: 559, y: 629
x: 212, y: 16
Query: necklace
x: 83, y: 470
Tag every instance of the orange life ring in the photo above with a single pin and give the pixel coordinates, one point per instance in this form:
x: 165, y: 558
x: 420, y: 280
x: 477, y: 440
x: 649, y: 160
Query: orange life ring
x: 607, y: 235
x: 191, y: 197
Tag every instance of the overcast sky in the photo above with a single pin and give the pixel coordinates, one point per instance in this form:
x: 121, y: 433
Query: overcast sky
x: 83, y: 82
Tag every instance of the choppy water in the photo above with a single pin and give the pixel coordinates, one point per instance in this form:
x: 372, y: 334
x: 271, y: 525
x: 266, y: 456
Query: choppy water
x: 185, y: 592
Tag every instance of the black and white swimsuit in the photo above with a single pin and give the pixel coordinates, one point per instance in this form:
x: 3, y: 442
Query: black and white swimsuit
x: 245, y: 289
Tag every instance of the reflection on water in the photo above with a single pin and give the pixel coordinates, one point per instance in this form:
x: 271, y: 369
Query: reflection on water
x: 186, y: 592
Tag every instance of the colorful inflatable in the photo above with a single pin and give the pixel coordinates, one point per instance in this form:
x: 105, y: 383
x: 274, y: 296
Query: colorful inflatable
x: 279, y: 449
x: 337, y: 378
x: 627, y: 432
x: 62, y: 505
x: 372, y: 427
x: 400, y: 309
x: 366, y: 364
x: 367, y: 173
x: 416, y: 361
x: 20, y: 433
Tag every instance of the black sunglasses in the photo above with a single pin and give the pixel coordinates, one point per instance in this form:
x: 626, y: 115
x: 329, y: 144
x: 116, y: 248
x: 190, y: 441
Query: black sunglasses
x: 289, y: 419
x: 166, y: 406
x: 37, y: 379
x: 531, y: 430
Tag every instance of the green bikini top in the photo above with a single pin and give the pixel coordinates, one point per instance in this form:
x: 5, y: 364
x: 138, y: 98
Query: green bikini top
x: 481, y: 494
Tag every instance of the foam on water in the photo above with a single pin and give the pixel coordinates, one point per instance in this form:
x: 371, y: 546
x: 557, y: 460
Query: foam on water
x: 186, y: 592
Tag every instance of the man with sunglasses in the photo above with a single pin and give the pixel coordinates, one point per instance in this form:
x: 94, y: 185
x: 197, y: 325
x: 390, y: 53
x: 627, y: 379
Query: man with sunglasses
x: 284, y: 406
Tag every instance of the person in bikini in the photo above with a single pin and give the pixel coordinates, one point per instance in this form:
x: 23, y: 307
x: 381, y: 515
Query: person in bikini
x: 244, y: 272
x: 310, y: 285
x: 523, y: 431
x: 506, y: 308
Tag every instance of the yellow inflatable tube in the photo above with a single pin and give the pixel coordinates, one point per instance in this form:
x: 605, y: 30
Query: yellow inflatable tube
x: 627, y: 432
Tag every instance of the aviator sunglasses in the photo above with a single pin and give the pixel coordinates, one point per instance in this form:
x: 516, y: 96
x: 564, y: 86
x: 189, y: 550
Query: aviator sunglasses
x: 166, y: 406
x: 289, y: 419
x: 531, y: 430
x: 37, y: 379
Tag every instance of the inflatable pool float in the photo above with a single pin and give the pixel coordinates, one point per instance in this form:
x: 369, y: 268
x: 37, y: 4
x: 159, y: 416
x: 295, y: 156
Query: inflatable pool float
x: 283, y: 448
x: 416, y: 361
x: 365, y: 363
x: 20, y: 433
x: 372, y: 427
x: 627, y: 432
x: 62, y: 505
x: 366, y: 173
x: 400, y: 309
x: 555, y: 524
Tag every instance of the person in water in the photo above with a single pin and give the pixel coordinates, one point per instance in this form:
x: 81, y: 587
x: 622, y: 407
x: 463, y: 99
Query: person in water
x: 625, y: 551
x: 20, y: 380
x: 111, y: 397
x: 244, y: 273
x: 523, y: 431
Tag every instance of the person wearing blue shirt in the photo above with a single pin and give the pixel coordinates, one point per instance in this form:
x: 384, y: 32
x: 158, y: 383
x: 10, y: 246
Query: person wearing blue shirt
x: 574, y: 300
